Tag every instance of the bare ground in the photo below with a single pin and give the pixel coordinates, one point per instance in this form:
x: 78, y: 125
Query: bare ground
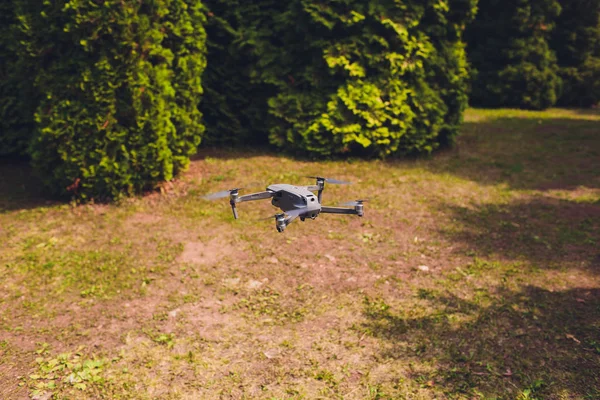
x: 474, y: 274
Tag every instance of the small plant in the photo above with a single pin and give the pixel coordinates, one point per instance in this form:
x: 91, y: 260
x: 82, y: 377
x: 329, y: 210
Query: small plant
x: 165, y: 339
x: 266, y: 302
x: 532, y: 392
x: 327, y: 377
x: 376, y: 308
x: 65, y: 372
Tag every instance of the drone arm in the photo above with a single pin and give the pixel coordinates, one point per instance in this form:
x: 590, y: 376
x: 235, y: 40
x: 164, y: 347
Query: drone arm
x: 340, y: 210
x: 235, y: 198
x: 313, y: 188
x: 255, y: 196
x: 290, y: 219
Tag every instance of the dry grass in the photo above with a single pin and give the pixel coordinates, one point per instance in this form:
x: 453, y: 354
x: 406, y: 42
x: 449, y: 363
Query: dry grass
x: 474, y: 274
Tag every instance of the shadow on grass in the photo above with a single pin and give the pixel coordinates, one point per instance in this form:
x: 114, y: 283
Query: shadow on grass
x: 588, y: 111
x: 233, y: 153
x: 250, y: 151
x: 547, y: 232
x: 20, y: 188
x: 526, y: 153
x: 530, y: 341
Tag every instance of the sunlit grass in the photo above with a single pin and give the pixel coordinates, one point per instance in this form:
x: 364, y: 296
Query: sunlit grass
x: 474, y: 274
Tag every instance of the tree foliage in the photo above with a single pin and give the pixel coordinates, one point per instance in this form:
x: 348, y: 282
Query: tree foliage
x: 348, y: 76
x: 576, y: 41
x: 234, y: 104
x: 18, y: 98
x: 509, y: 51
x: 119, y: 83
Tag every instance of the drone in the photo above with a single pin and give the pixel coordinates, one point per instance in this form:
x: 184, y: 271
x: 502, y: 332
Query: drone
x: 294, y: 201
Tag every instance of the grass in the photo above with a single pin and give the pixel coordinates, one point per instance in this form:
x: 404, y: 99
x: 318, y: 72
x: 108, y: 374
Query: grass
x: 474, y: 274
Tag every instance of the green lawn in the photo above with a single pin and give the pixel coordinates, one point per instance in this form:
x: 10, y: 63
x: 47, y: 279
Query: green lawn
x: 475, y: 273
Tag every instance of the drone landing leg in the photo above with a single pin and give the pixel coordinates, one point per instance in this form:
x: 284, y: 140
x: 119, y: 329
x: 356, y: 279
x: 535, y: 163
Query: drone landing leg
x: 235, y: 198
x: 235, y: 213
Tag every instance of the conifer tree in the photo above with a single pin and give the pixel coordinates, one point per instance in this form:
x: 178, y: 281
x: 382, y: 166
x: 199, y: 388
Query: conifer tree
x: 119, y: 83
x: 510, y: 55
x: 576, y: 41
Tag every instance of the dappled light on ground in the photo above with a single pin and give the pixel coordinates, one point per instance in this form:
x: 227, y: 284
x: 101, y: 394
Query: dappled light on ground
x: 475, y: 273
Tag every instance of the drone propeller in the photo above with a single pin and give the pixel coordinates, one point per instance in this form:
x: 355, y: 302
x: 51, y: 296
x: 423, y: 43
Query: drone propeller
x: 353, y: 203
x: 331, y: 180
x: 220, y: 195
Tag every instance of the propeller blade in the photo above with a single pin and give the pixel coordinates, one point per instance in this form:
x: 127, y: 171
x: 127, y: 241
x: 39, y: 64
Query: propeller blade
x: 219, y: 195
x: 353, y: 203
x: 337, y: 181
x: 331, y: 180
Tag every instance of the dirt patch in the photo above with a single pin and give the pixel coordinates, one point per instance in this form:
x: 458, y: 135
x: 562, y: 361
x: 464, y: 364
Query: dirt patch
x: 143, y: 219
x: 8, y: 388
x: 208, y: 253
x: 21, y: 341
x: 448, y: 271
x: 204, y: 318
x: 338, y: 279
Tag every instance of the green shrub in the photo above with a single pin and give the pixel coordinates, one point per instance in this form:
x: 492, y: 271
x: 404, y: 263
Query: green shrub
x: 233, y: 105
x: 449, y: 71
x: 120, y: 83
x: 339, y: 77
x: 576, y: 41
x: 508, y: 49
x: 17, y: 95
x: 370, y: 78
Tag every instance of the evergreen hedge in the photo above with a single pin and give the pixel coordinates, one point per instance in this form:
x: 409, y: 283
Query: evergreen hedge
x: 576, y: 41
x: 17, y: 95
x: 233, y: 105
x: 119, y: 83
x: 509, y: 51
x: 348, y: 76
